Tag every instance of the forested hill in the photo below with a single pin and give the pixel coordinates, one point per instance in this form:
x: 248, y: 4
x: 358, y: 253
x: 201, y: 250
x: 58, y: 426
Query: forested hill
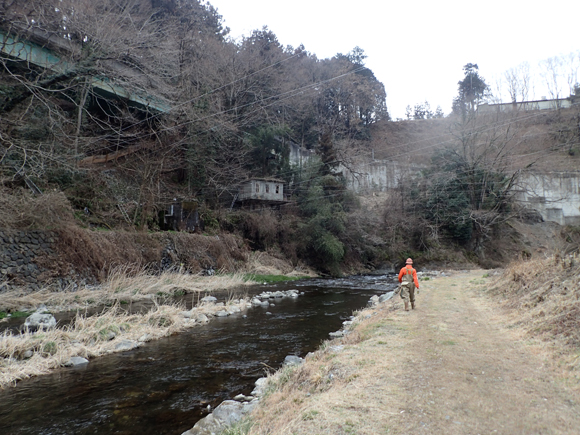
x: 162, y: 82
x: 111, y: 110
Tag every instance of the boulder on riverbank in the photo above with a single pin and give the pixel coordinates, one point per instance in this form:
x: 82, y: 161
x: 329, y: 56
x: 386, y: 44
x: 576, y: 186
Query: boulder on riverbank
x: 40, y: 321
x: 76, y: 361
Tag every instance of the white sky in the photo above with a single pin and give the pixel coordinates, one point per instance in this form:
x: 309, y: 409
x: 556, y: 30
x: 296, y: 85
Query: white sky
x: 417, y: 48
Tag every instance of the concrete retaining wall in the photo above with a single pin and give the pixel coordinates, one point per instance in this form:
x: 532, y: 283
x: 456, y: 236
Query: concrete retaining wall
x: 555, y: 195
x: 376, y: 175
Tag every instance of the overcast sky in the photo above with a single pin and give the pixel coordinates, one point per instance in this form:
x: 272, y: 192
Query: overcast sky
x: 417, y: 48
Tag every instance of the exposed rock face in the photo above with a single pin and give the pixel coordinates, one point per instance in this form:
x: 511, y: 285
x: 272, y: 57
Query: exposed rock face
x: 263, y: 299
x: 202, y: 318
x: 293, y: 360
x: 226, y: 414
x: 386, y: 297
x: 126, y: 345
x: 380, y: 299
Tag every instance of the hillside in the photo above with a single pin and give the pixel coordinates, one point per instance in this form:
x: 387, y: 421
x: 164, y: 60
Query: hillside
x: 549, y: 140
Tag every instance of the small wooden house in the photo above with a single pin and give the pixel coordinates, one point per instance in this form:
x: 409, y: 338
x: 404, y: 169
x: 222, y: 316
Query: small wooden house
x: 262, y: 191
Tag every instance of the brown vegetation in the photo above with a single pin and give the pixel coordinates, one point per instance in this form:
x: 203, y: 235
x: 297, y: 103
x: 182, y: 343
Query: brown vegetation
x: 88, y: 335
x: 548, y: 140
x: 25, y: 210
x: 544, y: 294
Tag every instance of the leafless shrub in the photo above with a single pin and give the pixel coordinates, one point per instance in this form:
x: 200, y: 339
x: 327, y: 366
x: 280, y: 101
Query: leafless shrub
x: 25, y: 210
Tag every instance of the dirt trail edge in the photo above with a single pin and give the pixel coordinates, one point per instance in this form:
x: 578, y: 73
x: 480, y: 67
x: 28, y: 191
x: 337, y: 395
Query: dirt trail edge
x: 452, y: 366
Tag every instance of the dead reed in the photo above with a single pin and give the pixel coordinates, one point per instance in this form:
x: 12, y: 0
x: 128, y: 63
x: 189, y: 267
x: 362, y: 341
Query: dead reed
x: 122, y: 286
x: 544, y: 295
x: 31, y: 354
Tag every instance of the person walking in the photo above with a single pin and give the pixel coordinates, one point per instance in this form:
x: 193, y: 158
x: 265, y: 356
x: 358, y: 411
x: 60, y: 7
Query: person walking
x: 409, y: 282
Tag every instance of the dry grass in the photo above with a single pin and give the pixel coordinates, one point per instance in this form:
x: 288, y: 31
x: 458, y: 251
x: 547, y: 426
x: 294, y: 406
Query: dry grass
x: 338, y: 390
x: 23, y: 210
x: 121, y: 285
x: 544, y: 296
x: 87, y: 336
x: 268, y: 263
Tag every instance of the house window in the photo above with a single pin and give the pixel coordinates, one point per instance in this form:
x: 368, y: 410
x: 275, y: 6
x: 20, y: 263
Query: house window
x: 257, y: 188
x: 267, y: 188
x: 277, y: 188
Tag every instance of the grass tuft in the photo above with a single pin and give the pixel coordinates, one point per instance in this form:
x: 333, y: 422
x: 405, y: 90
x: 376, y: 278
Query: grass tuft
x: 269, y: 279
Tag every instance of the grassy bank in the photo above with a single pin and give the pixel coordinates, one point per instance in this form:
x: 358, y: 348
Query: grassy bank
x: 31, y: 354
x: 542, y: 296
x: 121, y: 287
x: 471, y: 359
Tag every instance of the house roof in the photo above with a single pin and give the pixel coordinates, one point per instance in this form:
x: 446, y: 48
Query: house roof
x: 271, y: 180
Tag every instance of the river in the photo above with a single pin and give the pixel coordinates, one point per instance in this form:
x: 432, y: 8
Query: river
x: 166, y: 386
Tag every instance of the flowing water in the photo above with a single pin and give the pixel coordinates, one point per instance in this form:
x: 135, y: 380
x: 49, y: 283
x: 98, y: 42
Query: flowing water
x: 165, y: 386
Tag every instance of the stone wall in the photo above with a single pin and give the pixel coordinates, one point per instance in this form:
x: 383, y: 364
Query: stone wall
x: 19, y: 252
x: 65, y: 259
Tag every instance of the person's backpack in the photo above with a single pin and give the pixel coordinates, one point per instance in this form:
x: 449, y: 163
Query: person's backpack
x: 407, y: 278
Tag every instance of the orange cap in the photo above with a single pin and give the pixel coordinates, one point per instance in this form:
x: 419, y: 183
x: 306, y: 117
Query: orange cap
x: 409, y: 261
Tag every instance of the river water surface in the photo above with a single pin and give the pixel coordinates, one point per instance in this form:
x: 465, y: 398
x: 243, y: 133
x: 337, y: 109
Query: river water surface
x: 165, y: 386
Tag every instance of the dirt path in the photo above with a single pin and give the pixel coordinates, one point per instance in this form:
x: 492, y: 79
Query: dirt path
x: 452, y: 366
x: 464, y: 372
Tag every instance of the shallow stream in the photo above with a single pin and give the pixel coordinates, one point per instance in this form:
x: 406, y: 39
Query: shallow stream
x: 165, y: 386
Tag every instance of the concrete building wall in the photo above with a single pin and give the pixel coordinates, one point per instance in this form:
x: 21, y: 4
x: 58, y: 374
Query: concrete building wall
x: 562, y: 103
x: 556, y: 196
x: 265, y: 190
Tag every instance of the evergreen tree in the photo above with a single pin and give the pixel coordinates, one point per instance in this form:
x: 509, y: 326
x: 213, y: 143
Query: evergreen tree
x: 471, y: 90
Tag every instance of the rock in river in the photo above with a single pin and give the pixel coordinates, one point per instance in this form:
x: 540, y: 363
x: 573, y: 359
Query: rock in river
x: 40, y: 321
x: 126, y: 345
x: 76, y: 361
x: 226, y: 414
x: 209, y: 300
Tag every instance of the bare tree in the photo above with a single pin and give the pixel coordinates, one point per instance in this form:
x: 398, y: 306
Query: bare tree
x: 551, y: 71
x: 518, y: 82
x: 572, y: 65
